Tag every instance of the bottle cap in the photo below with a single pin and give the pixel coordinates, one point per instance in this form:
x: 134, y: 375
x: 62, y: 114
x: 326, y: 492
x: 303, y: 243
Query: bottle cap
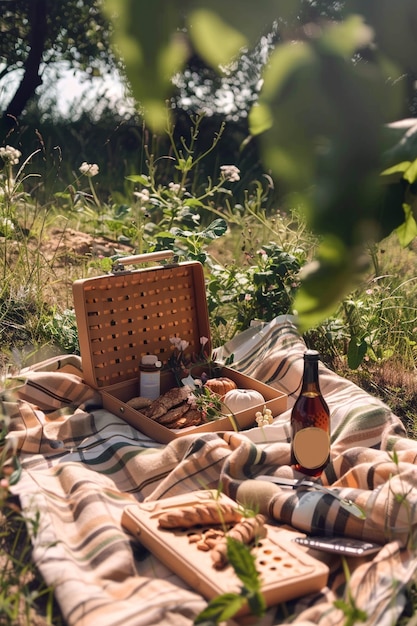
x: 151, y: 359
x: 311, y: 355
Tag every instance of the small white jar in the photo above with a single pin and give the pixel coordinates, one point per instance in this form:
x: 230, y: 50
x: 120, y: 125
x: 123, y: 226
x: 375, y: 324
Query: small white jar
x: 150, y: 377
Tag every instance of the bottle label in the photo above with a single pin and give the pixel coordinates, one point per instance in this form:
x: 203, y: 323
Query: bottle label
x: 150, y: 384
x: 311, y: 447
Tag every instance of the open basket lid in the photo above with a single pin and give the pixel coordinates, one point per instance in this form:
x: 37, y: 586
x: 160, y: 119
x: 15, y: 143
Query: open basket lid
x: 127, y: 313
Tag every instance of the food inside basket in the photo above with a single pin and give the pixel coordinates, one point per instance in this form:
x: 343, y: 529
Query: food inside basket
x: 216, y: 415
x: 205, y: 401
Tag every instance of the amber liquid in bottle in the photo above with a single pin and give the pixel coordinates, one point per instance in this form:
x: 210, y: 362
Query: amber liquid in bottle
x: 310, y: 422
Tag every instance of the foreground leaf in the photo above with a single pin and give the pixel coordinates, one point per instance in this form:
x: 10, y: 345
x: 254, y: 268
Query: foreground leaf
x: 243, y: 563
x: 152, y: 50
x: 326, y: 281
x: 220, y: 609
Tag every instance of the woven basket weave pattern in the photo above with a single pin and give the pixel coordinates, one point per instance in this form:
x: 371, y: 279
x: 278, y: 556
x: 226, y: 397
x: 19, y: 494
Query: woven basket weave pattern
x: 136, y: 313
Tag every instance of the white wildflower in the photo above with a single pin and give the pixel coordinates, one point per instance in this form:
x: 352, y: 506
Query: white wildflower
x: 143, y: 195
x: 179, y: 344
x: 203, y: 341
x: 230, y: 173
x: 184, y: 345
x: 175, y: 341
x: 6, y: 226
x: 89, y: 169
x: 10, y: 154
x: 175, y: 187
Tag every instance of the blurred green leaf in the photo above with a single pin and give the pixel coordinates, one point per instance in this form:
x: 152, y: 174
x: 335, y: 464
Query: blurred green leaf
x: 17, y: 472
x: 347, y: 37
x: 152, y: 49
x: 138, y: 178
x: 220, y: 609
x: 214, y: 40
x: 324, y: 282
x: 243, y: 563
x: 356, y: 351
x: 250, y: 19
x: 407, y: 231
x: 410, y: 174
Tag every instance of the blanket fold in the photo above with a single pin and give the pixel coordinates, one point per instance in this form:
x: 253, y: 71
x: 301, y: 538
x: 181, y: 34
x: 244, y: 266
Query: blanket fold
x: 82, y: 466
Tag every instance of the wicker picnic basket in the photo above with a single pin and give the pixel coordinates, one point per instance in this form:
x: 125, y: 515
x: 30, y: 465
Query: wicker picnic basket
x: 128, y: 313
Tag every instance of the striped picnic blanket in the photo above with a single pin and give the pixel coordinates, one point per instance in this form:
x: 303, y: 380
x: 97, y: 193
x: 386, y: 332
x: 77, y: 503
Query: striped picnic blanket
x: 83, y: 465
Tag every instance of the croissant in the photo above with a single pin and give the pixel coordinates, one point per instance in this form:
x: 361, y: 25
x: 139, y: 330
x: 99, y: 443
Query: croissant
x: 200, y: 514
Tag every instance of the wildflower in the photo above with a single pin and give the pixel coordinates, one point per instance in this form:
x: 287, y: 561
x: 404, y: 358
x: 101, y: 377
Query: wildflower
x: 230, y: 173
x: 89, y: 169
x: 179, y: 344
x: 175, y: 187
x: 248, y: 297
x: 262, y: 254
x: 183, y: 345
x: 6, y: 226
x: 10, y: 154
x: 143, y: 195
x: 203, y: 341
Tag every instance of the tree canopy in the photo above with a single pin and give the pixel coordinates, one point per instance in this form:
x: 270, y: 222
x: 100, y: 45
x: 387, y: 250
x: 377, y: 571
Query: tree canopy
x: 37, y: 35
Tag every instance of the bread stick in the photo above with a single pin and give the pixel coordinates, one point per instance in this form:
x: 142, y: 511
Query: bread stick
x: 200, y: 515
x: 246, y: 531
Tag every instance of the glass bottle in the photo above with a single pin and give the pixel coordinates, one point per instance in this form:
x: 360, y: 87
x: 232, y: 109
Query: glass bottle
x: 310, y: 422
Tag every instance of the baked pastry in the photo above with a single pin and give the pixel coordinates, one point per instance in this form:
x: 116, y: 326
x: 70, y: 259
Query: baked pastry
x: 193, y: 417
x: 139, y: 402
x: 173, y: 415
x: 169, y: 400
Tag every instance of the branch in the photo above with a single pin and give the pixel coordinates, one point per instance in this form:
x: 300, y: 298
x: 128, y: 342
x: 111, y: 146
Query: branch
x: 31, y: 78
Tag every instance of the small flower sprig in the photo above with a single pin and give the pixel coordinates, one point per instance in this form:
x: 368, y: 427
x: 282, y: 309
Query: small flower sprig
x: 264, y: 418
x: 206, y: 401
x: 90, y: 170
x: 10, y: 155
x: 181, y: 363
x: 174, y: 199
x: 210, y: 404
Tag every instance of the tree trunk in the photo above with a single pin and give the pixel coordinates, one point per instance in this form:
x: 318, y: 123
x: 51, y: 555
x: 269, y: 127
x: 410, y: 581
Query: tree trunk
x: 31, y: 78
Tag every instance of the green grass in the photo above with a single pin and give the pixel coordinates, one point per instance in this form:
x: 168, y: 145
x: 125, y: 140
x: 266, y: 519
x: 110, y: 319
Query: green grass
x: 25, y: 600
